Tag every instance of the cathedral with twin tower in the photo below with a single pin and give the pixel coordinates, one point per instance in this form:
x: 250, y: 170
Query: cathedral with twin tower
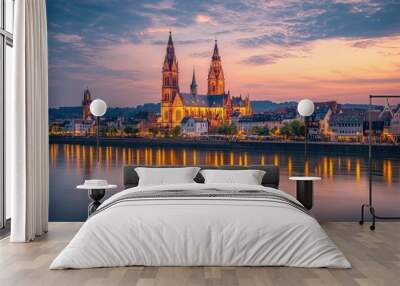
x: 217, y: 106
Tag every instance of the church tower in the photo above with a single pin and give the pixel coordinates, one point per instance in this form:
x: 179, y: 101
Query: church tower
x: 170, y: 82
x: 87, y: 100
x: 193, y: 85
x: 170, y: 72
x: 216, y: 80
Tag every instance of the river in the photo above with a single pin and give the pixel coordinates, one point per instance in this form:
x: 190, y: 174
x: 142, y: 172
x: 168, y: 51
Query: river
x: 338, y: 196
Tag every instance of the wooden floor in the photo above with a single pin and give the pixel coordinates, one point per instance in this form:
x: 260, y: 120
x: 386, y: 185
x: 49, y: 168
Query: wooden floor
x: 375, y: 257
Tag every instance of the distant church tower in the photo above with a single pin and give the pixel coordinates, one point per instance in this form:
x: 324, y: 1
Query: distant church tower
x: 170, y: 84
x: 193, y: 85
x: 87, y: 100
x: 216, y: 80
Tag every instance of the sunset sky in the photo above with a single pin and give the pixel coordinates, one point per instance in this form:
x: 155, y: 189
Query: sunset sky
x: 272, y: 50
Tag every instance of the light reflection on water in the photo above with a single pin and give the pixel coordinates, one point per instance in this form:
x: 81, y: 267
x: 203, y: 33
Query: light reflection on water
x: 337, y: 197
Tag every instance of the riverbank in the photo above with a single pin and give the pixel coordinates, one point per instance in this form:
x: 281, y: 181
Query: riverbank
x: 381, y: 151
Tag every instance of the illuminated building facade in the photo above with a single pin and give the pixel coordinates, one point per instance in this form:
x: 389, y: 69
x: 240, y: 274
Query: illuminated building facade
x: 217, y: 106
x: 87, y: 100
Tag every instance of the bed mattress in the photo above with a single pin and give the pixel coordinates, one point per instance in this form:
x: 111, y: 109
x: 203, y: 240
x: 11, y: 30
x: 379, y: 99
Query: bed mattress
x: 201, y: 225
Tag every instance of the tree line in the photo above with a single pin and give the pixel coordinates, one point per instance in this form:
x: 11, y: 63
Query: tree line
x: 288, y: 129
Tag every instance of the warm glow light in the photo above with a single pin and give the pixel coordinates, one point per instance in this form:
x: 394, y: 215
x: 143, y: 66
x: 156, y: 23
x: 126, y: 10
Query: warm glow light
x: 232, y: 159
x: 215, y: 158
x: 150, y: 156
x: 158, y: 157
x: 124, y: 155
x: 184, y: 162
x: 307, y: 168
x: 358, y: 170
x: 194, y: 158
x: 163, y: 157
x: 246, y: 159
x: 138, y: 161
x: 326, y: 167
x: 290, y: 166
x: 348, y: 166
x: 276, y: 160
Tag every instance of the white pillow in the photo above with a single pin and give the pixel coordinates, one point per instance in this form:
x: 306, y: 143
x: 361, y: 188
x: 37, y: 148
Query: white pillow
x: 166, y: 176
x: 248, y: 177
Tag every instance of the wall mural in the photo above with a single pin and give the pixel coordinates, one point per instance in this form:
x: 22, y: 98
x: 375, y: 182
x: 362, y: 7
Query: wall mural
x: 217, y: 83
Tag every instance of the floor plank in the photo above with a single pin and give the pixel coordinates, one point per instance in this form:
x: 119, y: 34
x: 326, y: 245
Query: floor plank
x: 375, y: 257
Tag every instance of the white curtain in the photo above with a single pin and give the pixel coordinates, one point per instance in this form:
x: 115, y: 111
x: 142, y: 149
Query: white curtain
x: 27, y: 124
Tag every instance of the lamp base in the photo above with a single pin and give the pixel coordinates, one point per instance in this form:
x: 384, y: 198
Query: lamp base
x: 96, y: 195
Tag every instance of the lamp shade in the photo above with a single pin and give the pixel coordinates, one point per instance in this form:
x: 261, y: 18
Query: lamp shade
x: 305, y: 107
x: 98, y: 107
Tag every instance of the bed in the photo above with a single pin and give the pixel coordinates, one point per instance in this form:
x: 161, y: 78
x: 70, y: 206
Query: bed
x: 197, y: 224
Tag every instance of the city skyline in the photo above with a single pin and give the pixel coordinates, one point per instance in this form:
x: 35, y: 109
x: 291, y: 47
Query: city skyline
x: 272, y: 50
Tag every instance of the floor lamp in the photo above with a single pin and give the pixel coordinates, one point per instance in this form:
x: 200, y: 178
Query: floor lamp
x: 305, y: 108
x: 98, y: 108
x: 369, y: 205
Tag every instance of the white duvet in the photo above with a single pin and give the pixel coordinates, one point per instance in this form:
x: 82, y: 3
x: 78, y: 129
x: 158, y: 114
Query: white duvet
x: 200, y: 231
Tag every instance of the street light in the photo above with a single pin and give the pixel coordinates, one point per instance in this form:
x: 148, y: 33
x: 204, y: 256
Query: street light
x: 305, y: 108
x: 98, y: 108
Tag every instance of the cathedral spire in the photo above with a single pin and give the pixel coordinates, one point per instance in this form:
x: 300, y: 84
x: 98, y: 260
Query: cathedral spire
x: 87, y: 100
x: 170, y: 73
x: 216, y: 80
x: 170, y: 61
x: 193, y: 85
x: 170, y: 39
x: 216, y: 52
x: 87, y: 97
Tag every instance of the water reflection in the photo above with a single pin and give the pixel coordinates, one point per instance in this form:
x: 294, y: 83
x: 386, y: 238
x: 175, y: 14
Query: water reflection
x: 81, y: 157
x: 71, y: 164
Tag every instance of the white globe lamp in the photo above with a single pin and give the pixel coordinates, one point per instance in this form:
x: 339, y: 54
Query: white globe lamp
x: 98, y: 108
x: 305, y: 107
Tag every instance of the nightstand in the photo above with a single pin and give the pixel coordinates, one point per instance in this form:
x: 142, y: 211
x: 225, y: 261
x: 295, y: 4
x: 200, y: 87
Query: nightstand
x: 96, y: 191
x: 304, y: 190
